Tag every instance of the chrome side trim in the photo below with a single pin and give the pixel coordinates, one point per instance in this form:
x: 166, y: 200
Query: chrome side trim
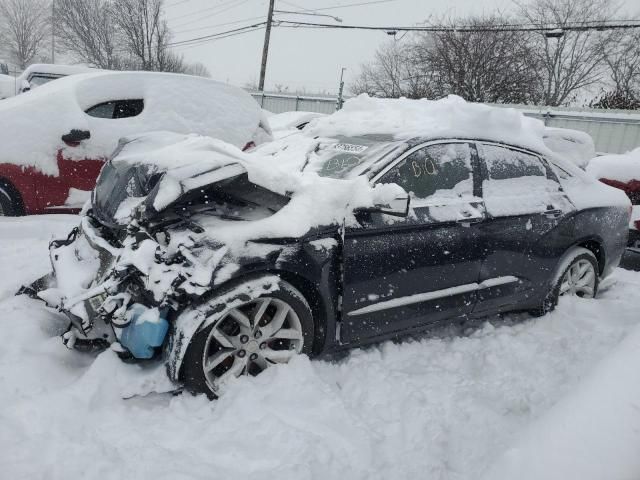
x: 427, y: 296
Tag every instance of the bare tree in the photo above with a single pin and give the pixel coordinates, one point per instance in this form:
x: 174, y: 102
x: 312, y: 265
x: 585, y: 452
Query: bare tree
x: 24, y: 29
x: 622, y: 60
x: 481, y: 65
x: 568, y: 60
x: 145, y: 33
x: 86, y: 29
x: 197, y: 69
x: 393, y: 73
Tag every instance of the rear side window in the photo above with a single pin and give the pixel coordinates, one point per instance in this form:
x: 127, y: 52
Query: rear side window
x: 517, y: 183
x: 503, y: 163
x: 441, y: 171
x: 117, y: 109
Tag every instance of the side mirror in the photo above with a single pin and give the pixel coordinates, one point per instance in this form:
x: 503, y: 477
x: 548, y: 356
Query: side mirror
x: 398, y: 207
x: 74, y: 137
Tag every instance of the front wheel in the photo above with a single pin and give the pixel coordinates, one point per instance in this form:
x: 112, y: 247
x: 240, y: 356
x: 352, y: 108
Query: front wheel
x: 577, y: 275
x: 247, y: 338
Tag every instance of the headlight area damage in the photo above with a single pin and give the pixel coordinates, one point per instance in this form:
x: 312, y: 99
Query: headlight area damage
x: 178, y: 226
x: 123, y: 295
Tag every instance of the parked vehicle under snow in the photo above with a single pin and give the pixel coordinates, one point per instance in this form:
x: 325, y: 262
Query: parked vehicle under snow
x: 56, y: 138
x: 387, y: 217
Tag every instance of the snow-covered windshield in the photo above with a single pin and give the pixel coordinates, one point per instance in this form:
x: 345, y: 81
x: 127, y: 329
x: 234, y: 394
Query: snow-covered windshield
x: 347, y: 157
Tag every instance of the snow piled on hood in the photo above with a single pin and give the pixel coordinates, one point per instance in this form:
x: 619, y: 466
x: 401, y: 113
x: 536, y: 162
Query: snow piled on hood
x: 448, y: 117
x: 622, y: 168
x: 32, y: 123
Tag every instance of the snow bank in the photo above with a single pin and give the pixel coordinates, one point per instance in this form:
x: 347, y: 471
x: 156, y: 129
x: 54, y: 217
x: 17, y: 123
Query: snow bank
x: 622, y: 168
x: 32, y: 123
x: 591, y: 434
x: 438, y: 408
x: 8, y: 86
x: 448, y: 117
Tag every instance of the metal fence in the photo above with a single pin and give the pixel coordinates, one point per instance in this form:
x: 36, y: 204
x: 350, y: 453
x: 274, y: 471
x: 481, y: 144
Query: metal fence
x: 279, y: 103
x: 613, y: 131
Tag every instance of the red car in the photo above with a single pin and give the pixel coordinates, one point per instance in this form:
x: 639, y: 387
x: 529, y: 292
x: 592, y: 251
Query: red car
x: 623, y: 172
x: 56, y: 138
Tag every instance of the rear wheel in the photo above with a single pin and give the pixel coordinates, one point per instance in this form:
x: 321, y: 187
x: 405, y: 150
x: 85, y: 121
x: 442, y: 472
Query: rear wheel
x: 247, y: 338
x: 9, y: 204
x: 578, y: 276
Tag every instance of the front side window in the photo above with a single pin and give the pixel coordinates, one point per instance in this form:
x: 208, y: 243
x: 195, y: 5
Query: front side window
x: 117, y: 109
x: 435, y: 173
x: 517, y: 183
x: 439, y: 181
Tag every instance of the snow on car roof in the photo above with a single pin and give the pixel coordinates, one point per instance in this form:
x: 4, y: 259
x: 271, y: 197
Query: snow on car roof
x: 34, y: 122
x: 291, y: 120
x: 570, y: 144
x: 448, y: 117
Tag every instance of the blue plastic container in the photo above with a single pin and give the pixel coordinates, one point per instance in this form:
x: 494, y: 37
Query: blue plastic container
x: 145, y: 332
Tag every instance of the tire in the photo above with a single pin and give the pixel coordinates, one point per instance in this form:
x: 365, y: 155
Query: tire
x: 580, y: 261
x: 244, y: 340
x: 9, y: 205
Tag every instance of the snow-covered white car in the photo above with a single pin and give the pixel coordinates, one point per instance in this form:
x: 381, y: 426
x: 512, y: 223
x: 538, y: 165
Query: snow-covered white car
x: 56, y: 138
x: 38, y: 74
x: 388, y: 217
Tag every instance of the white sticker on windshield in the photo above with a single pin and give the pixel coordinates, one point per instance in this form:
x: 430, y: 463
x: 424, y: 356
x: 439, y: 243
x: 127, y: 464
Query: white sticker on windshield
x: 349, y: 147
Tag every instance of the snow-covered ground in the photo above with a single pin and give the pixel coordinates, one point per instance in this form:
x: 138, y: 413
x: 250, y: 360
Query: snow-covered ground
x: 435, y: 408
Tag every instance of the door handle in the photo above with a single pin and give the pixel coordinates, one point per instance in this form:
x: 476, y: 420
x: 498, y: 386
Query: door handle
x: 466, y: 222
x: 553, y: 213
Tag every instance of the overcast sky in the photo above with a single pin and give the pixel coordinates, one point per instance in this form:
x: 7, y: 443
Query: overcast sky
x: 306, y: 58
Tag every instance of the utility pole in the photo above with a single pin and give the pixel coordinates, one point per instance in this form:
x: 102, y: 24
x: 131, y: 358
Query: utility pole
x: 53, y: 31
x: 265, y: 48
x: 341, y: 90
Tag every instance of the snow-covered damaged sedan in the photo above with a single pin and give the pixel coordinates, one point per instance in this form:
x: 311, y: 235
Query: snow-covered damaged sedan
x: 387, y: 217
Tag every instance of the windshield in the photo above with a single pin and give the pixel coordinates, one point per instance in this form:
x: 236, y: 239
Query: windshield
x: 346, y: 157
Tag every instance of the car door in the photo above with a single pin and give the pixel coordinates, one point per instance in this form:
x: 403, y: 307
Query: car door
x: 401, y: 273
x: 80, y: 161
x: 524, y: 232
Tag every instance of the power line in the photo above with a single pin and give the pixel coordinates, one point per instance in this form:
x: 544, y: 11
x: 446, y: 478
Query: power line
x: 220, y: 37
x: 574, y: 26
x: 570, y: 26
x: 215, y: 35
x: 203, y: 10
x: 218, y: 25
x: 348, y: 5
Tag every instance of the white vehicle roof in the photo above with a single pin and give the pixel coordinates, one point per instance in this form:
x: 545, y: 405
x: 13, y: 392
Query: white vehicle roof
x: 55, y: 70
x: 35, y: 121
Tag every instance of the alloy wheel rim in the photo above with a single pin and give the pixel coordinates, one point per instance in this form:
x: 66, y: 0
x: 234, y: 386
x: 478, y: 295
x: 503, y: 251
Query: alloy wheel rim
x: 249, y: 339
x: 579, y: 280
